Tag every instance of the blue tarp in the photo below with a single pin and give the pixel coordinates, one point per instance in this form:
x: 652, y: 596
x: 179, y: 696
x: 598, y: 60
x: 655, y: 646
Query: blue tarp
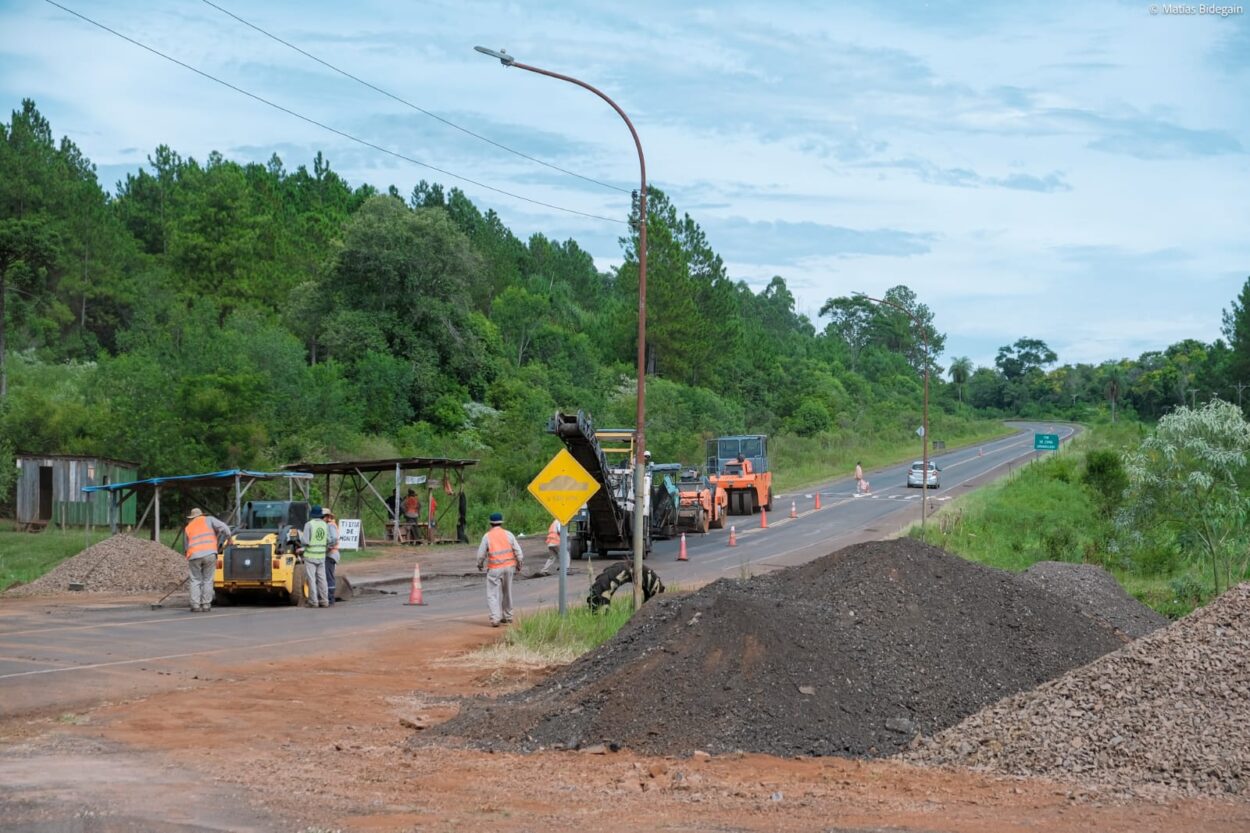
x: 207, y: 478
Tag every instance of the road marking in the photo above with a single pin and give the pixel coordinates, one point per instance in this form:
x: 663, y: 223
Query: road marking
x: 280, y: 643
x: 155, y: 620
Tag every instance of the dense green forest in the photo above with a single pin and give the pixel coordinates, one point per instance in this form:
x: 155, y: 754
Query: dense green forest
x: 203, y: 315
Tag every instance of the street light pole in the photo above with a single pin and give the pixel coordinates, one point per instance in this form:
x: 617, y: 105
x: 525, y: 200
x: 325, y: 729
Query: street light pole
x: 1193, y: 398
x: 640, y: 498
x: 1240, y: 387
x: 924, y: 425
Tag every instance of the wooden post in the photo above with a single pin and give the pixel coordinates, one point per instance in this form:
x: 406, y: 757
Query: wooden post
x: 156, y: 515
x: 395, y: 507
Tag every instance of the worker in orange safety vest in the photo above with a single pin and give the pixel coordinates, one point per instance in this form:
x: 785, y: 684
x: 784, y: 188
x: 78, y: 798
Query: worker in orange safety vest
x: 501, y: 556
x: 203, y: 534
x: 553, y: 548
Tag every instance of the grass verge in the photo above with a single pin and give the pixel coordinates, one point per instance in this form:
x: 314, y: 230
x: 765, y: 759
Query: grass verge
x: 544, y: 638
x: 25, y: 556
x: 1046, y: 511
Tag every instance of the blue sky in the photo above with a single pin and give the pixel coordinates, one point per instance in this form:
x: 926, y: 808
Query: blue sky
x: 1078, y: 173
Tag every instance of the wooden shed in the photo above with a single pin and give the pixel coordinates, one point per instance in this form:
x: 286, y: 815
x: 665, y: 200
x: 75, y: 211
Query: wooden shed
x: 50, y: 490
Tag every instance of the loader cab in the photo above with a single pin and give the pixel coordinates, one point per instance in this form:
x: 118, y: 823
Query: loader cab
x: 273, y: 515
x: 723, y: 454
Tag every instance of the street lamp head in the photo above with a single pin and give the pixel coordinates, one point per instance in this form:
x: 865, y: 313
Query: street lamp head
x: 503, y: 56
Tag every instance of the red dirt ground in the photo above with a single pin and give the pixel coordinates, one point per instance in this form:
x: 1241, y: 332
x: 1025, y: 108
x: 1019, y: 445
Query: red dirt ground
x: 322, y: 745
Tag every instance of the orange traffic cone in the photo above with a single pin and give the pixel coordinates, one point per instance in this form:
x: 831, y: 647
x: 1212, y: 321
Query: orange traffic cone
x: 414, y: 595
x: 681, y: 553
x: 733, y: 537
x: 794, y: 510
x: 763, y: 519
x: 980, y: 452
x: 818, y: 500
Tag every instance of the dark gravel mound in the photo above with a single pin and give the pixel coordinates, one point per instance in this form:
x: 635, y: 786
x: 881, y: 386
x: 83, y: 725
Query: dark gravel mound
x: 1097, y: 594
x: 853, y: 654
x: 1169, y: 713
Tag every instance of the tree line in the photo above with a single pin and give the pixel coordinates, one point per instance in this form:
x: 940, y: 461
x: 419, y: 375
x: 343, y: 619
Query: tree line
x: 209, y: 314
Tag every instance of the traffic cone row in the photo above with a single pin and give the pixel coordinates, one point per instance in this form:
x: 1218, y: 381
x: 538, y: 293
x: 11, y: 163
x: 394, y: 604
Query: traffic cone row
x: 794, y: 510
x: 733, y: 537
x: 414, y: 595
x: 681, y: 553
x: 818, y: 500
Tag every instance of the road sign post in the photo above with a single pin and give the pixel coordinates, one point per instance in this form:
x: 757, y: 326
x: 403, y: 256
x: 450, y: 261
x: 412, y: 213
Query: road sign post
x: 563, y: 487
x: 1045, y: 442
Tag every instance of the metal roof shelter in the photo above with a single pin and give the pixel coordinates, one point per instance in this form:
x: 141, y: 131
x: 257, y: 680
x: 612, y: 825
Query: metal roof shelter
x: 360, y: 475
x: 193, y: 485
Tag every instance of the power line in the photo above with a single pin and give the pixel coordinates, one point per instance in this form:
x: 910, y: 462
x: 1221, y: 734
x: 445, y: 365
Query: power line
x: 409, y: 104
x: 324, y: 126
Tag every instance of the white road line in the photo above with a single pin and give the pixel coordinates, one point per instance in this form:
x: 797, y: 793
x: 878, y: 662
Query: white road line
x: 334, y: 635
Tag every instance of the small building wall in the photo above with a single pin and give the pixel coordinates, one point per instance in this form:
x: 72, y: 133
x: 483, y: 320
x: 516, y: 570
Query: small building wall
x: 64, y: 501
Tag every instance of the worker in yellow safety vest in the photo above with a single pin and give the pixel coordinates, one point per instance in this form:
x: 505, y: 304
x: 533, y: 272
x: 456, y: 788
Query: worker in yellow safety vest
x: 553, y: 548
x: 501, y: 556
x: 203, y: 534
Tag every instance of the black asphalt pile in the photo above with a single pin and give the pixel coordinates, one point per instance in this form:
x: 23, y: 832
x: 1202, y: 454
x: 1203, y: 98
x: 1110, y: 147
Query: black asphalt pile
x: 121, y: 564
x: 1097, y: 593
x: 1168, y: 713
x: 853, y: 654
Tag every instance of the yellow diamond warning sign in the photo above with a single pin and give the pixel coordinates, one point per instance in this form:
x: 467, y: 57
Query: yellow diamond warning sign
x: 563, y: 486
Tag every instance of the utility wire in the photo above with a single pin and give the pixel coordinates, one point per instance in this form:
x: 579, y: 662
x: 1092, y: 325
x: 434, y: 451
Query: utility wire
x: 409, y: 104
x: 324, y: 126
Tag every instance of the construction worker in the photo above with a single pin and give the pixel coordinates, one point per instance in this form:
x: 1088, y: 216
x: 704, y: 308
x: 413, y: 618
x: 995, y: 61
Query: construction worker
x: 315, y: 538
x: 203, y: 535
x: 500, y: 555
x: 332, y: 552
x: 553, y: 548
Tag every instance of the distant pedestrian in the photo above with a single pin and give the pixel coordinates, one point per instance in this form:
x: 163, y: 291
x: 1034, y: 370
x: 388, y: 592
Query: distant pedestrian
x: 332, y: 552
x: 204, y: 535
x: 501, y: 556
x: 315, y: 538
x: 861, y: 485
x: 553, y: 548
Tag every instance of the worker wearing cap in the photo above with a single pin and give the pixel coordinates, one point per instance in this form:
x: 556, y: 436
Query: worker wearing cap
x: 332, y: 551
x: 500, y: 555
x: 203, y: 535
x: 315, y: 539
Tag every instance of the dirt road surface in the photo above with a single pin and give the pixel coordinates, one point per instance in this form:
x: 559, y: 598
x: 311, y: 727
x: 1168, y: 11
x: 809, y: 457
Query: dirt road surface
x: 116, y: 718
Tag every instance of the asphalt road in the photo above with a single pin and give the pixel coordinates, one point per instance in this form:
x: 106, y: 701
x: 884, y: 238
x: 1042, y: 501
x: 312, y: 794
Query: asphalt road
x: 57, y: 654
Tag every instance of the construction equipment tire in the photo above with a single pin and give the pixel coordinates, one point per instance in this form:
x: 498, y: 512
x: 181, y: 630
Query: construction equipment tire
x: 222, y: 598
x: 701, y: 521
x: 769, y: 505
x: 577, y: 549
x: 297, y: 595
x: 613, y: 577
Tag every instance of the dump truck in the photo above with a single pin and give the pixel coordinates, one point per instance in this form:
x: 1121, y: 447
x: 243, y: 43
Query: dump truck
x: 607, y: 455
x: 262, y: 556
x: 739, y: 465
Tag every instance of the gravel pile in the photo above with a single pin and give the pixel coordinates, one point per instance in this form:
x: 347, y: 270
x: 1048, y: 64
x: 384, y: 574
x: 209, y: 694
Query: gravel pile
x: 121, y: 564
x: 853, y: 654
x: 1168, y: 713
x: 1097, y: 594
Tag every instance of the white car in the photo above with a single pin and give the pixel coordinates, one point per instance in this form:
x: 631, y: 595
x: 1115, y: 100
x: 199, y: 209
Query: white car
x: 915, y: 477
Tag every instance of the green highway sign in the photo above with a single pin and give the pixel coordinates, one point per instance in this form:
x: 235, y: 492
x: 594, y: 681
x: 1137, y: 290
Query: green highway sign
x: 1045, y: 442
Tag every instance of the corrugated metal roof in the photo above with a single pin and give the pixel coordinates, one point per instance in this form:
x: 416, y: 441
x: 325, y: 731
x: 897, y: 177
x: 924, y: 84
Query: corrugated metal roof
x: 23, y: 455
x: 353, y: 466
x: 206, y: 479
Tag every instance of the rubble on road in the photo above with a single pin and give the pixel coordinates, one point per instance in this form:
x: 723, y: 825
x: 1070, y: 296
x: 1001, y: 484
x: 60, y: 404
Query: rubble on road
x: 852, y: 654
x: 120, y: 564
x: 1169, y: 712
x: 1097, y: 593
